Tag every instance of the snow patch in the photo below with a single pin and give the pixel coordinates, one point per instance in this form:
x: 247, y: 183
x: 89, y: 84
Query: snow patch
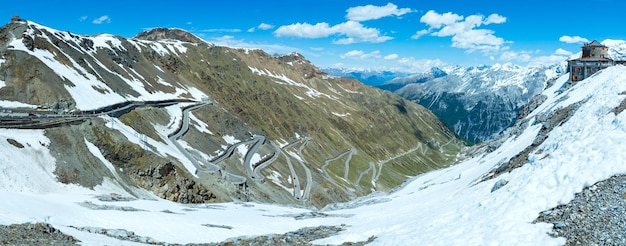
x: 340, y: 115
x: 230, y: 139
x: 275, y: 178
x: 284, y: 80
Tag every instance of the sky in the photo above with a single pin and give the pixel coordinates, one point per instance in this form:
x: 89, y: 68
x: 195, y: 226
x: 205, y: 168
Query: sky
x: 400, y: 35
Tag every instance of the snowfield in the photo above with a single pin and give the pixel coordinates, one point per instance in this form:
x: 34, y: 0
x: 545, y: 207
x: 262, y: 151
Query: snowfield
x: 443, y: 207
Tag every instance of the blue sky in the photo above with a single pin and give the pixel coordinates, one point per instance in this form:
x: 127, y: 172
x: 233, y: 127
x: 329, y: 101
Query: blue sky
x: 392, y: 35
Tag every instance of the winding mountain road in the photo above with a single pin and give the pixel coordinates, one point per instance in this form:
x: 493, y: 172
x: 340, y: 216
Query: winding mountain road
x: 333, y: 181
x: 357, y: 183
x: 200, y: 165
x: 300, y: 195
x: 42, y: 120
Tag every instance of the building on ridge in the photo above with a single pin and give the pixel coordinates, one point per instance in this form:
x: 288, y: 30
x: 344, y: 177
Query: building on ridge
x: 594, y: 58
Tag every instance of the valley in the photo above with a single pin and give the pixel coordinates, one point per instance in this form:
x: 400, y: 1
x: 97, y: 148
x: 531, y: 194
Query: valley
x: 165, y: 138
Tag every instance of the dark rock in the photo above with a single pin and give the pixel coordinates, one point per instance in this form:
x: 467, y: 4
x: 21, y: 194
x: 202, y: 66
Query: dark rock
x: 34, y: 234
x: 86, y: 44
x: 499, y: 184
x: 28, y: 42
x: 558, y: 225
x: 596, y: 215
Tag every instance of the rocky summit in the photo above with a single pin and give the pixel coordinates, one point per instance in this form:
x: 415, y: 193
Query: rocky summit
x: 168, y: 115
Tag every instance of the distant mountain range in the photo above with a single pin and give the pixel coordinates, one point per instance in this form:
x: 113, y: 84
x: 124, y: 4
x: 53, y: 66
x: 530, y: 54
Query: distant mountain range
x: 368, y: 77
x: 106, y: 140
x: 476, y: 102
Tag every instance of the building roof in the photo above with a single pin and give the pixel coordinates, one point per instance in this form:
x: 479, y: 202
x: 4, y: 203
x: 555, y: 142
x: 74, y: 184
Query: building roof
x: 590, y: 59
x: 595, y: 43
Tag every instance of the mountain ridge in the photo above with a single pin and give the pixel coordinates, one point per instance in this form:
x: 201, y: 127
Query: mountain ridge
x: 305, y: 115
x: 476, y: 102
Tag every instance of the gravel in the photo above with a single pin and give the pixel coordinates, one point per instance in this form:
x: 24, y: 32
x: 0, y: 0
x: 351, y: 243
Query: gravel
x: 596, y: 216
x: 34, y: 234
x: 302, y: 236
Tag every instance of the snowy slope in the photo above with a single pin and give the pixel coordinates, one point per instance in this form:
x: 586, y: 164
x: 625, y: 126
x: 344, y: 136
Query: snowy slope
x: 444, y: 207
x: 84, y: 71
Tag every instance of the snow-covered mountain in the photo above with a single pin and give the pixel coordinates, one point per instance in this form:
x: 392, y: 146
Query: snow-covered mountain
x: 400, y: 81
x: 494, y: 195
x: 617, y: 48
x: 368, y: 77
x: 476, y: 102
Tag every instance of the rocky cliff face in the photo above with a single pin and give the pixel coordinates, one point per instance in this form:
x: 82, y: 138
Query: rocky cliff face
x: 261, y: 127
x: 476, y: 102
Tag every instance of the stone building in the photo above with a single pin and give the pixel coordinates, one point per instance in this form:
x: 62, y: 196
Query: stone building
x: 594, y: 58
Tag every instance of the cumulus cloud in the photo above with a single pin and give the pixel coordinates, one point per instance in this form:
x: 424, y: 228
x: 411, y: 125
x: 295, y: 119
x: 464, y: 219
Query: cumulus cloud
x: 573, y: 40
x: 265, y: 26
x: 391, y: 57
x: 436, y: 20
x: 231, y: 41
x: 546, y: 60
x: 353, y: 31
x: 420, y: 33
x: 563, y: 52
x: 495, y: 19
x: 221, y: 30
x: 350, y: 31
x: 523, y: 56
x: 102, y: 19
x: 464, y: 31
x: 361, y: 55
x: 411, y: 64
x: 529, y: 57
x: 371, y: 12
x: 262, y: 26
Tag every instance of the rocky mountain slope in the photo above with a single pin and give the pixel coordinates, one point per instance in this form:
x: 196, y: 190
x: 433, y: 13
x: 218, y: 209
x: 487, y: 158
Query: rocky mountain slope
x: 168, y: 115
x: 555, y: 178
x: 475, y: 102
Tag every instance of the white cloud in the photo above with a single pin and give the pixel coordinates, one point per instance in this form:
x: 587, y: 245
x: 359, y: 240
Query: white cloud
x: 522, y: 56
x: 102, y: 19
x: 262, y: 26
x: 391, y: 57
x: 563, y: 52
x: 353, y: 31
x: 546, y: 60
x: 189, y: 23
x: 420, y: 33
x: 530, y: 59
x: 478, y: 39
x: 83, y: 18
x: 413, y: 65
x: 305, y: 30
x: 371, y: 12
x: 361, y: 55
x: 464, y: 32
x: 221, y: 30
x: 265, y: 26
x: 435, y: 20
x: 230, y: 41
x: 573, y: 40
x: 495, y: 19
